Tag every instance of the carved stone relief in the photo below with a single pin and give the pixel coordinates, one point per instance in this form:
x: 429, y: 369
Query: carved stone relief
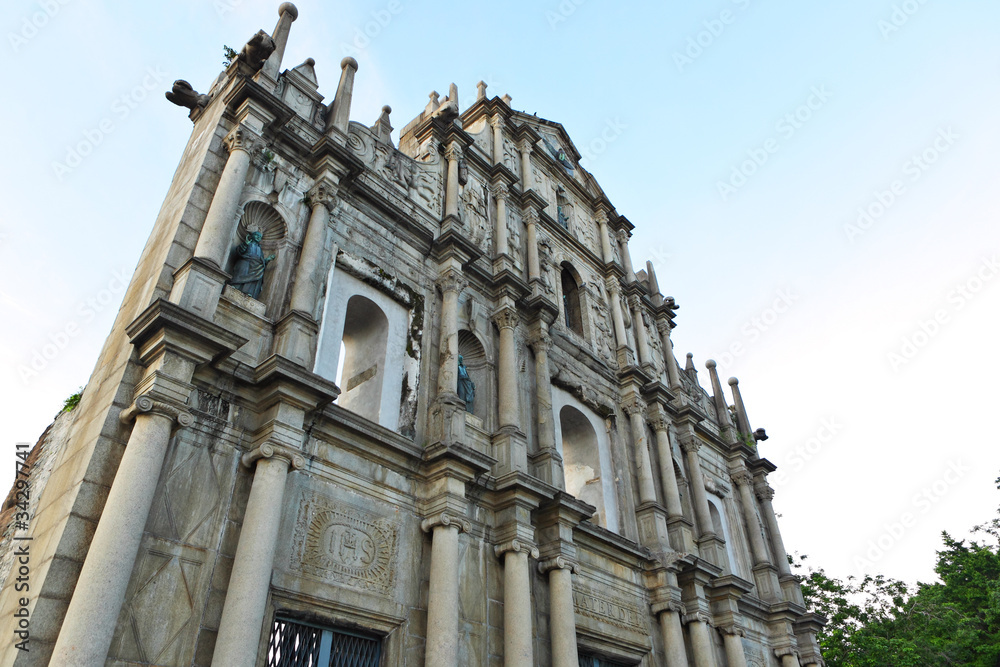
x: 608, y: 608
x: 339, y: 544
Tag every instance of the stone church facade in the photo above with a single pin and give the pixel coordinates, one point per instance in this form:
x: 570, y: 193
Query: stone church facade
x: 282, y: 461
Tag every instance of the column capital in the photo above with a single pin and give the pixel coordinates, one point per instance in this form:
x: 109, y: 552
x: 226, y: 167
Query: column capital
x: 635, y: 303
x: 270, y: 450
x: 742, y: 478
x: 611, y: 282
x: 540, y: 343
x: 690, y: 444
x: 701, y: 616
x: 496, y: 122
x: 525, y: 145
x: 500, y: 190
x: 601, y: 216
x: 663, y: 327
x: 622, y: 236
x: 668, y: 606
x: 147, y: 404
x: 786, y: 650
x: 324, y: 193
x: 452, y: 280
x: 445, y: 519
x: 635, y: 406
x: 530, y: 216
x: 733, y: 629
x: 454, y: 151
x: 516, y: 546
x: 558, y: 563
x: 506, y: 317
x: 763, y: 491
x: 660, y: 423
x: 242, y: 138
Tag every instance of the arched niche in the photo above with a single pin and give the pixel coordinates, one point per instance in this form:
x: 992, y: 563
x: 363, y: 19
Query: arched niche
x: 262, y: 217
x: 481, y: 371
x: 720, y: 526
x: 366, y: 331
x: 583, y: 443
x: 572, y: 304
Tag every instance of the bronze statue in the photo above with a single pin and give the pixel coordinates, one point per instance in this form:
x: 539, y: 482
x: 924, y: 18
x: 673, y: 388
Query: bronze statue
x: 466, y: 387
x: 248, y: 273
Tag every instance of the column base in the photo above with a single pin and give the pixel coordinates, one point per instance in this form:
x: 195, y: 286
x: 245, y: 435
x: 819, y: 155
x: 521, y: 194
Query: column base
x: 681, y: 533
x: 712, y: 548
x: 296, y: 338
x: 547, y: 465
x: 447, y: 420
x: 791, y: 589
x: 198, y: 286
x: 766, y: 578
x: 625, y: 357
x: 510, y: 448
x: 652, y: 522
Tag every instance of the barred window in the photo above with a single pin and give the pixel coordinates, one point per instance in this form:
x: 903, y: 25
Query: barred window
x: 595, y: 661
x: 294, y: 644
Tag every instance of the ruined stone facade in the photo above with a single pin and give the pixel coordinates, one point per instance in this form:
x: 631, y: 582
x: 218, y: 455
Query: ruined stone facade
x: 271, y: 480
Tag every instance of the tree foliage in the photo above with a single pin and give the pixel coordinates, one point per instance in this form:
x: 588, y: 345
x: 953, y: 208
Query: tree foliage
x: 877, y: 621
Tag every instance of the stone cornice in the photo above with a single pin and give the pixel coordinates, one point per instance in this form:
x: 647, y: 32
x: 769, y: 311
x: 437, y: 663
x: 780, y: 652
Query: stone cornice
x: 167, y: 326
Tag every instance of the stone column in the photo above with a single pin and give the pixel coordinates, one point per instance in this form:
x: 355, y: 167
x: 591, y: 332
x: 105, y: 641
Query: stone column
x: 667, y: 477
x: 246, y: 599
x: 616, y: 311
x: 500, y: 193
x: 744, y: 485
x: 789, y: 656
x: 640, y: 332
x: 626, y: 257
x: 700, y: 629
x: 217, y: 234
x: 765, y: 494
x: 453, y: 153
x: 673, y: 374
x: 531, y: 220
x: 636, y: 410
x: 608, y: 255
x: 527, y: 181
x: 496, y: 122
x: 731, y: 637
x: 541, y: 344
x: 442, y: 601
x: 308, y: 280
x: 690, y: 446
x: 562, y: 613
x: 89, y: 625
x: 286, y: 14
x: 517, y: 630
x: 452, y: 282
x: 506, y: 319
x: 673, y: 636
x: 340, y: 111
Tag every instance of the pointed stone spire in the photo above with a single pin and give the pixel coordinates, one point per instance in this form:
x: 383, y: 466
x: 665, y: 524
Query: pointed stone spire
x: 689, y: 368
x: 382, y: 127
x: 742, y: 422
x: 720, y: 399
x: 654, y: 285
x: 340, y: 110
x: 308, y: 71
x: 287, y: 13
x: 481, y: 91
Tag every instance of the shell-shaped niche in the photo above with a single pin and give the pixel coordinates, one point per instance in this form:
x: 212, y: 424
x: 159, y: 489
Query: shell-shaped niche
x: 258, y: 216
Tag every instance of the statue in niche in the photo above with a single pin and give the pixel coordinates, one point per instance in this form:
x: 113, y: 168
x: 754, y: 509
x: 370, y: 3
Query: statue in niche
x: 466, y: 387
x: 248, y: 273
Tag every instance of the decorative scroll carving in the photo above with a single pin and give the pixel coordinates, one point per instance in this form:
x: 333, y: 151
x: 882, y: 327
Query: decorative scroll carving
x: 697, y: 616
x: 147, y: 404
x: 742, y: 478
x: 451, y: 280
x: 635, y: 407
x: 506, y: 318
x: 344, y: 545
x: 242, y: 138
x: 690, y: 444
x: 614, y: 610
x: 453, y: 152
x: 764, y: 492
x: 541, y: 343
x: 517, y: 546
x: 558, y: 563
x: 324, y: 193
x: 445, y: 519
x: 733, y: 629
x: 270, y: 450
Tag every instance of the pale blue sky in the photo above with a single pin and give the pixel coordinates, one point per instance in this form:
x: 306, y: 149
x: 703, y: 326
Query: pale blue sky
x: 678, y: 129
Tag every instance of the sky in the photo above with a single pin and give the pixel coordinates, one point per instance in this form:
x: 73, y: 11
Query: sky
x: 816, y: 185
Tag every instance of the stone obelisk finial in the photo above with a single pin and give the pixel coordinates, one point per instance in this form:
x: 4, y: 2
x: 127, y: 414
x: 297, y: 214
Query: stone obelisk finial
x: 719, y: 398
x: 654, y: 285
x: 287, y: 13
x: 742, y: 422
x: 340, y: 113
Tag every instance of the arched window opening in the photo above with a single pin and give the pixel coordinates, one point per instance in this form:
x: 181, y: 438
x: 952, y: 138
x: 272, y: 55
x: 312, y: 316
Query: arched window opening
x: 366, y: 331
x: 719, y: 528
x: 572, y: 313
x: 582, y: 461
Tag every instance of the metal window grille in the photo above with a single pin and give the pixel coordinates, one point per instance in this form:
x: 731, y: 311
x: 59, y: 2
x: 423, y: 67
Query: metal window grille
x: 594, y: 661
x: 298, y: 645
